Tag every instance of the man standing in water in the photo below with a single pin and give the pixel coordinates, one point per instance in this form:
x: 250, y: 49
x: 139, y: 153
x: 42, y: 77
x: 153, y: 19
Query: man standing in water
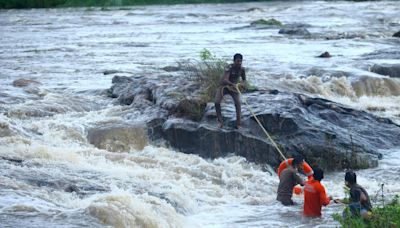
x: 228, y: 86
x: 287, y: 180
x: 315, y: 195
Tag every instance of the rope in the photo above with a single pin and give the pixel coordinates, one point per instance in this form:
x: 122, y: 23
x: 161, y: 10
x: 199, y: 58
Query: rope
x: 259, y: 123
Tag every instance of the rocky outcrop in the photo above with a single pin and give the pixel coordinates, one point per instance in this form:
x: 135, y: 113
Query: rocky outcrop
x: 397, y: 34
x: 392, y: 70
x: 294, y: 31
x: 326, y: 133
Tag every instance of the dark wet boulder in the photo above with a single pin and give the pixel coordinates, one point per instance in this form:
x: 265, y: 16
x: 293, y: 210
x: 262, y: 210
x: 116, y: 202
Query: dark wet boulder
x: 107, y: 72
x: 397, y: 34
x: 326, y: 133
x: 294, y: 31
x: 172, y: 68
x: 325, y: 55
x: 126, y: 89
x: 344, y: 35
x: 392, y: 70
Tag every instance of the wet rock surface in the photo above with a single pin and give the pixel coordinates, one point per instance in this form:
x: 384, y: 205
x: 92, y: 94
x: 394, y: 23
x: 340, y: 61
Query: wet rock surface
x: 324, y: 55
x: 326, y: 133
x: 298, y: 31
x: 118, y: 137
x: 392, y: 70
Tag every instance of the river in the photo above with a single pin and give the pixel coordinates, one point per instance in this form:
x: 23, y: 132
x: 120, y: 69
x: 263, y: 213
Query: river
x: 50, y: 176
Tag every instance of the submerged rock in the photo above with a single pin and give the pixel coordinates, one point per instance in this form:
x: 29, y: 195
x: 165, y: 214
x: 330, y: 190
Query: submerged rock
x: 325, y: 55
x: 107, y: 72
x: 382, y: 54
x: 24, y: 82
x: 326, y: 133
x: 344, y: 35
x: 392, y: 70
x: 294, y: 31
x: 397, y: 34
x: 118, y: 138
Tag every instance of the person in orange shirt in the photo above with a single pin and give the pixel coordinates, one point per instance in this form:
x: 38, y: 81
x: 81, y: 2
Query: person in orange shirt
x: 315, y: 195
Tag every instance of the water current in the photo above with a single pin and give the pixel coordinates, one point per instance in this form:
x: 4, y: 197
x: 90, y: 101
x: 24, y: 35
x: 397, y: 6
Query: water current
x: 50, y: 176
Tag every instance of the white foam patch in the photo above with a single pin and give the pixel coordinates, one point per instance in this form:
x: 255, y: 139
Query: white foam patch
x: 122, y: 209
x: 340, y: 90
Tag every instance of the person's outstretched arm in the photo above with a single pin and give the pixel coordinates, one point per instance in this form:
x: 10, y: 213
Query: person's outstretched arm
x: 324, y: 199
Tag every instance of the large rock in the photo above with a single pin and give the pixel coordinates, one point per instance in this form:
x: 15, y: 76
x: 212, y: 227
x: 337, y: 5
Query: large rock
x: 326, y: 133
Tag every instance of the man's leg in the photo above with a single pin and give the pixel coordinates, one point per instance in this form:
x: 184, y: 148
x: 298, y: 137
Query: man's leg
x: 286, y: 201
x: 236, y: 99
x: 218, y: 98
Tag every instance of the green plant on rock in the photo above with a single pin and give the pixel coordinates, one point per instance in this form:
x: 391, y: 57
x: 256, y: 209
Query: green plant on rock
x: 207, y: 73
x: 269, y: 22
x: 386, y: 216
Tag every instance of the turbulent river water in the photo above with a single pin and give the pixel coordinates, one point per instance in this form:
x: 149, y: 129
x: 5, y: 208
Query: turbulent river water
x: 50, y: 176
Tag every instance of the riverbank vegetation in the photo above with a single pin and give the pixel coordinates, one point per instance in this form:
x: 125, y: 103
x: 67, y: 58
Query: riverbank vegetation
x: 382, y: 216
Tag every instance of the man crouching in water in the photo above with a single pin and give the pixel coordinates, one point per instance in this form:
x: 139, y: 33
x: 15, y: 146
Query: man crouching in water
x: 359, y: 201
x: 228, y: 86
x: 287, y: 180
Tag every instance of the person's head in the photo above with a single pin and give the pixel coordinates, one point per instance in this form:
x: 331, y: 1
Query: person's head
x: 350, y: 178
x: 297, y: 161
x: 237, y: 59
x: 318, y: 174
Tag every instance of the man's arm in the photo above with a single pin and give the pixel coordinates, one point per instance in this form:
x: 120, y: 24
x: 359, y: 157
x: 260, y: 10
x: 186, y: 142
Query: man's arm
x: 324, y: 200
x: 298, y: 179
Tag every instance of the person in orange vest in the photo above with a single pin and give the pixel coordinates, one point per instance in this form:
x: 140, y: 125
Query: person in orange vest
x: 288, y: 178
x: 305, y: 167
x: 315, y: 195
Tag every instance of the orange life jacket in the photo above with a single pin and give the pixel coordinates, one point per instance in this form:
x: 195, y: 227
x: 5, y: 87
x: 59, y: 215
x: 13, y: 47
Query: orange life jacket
x: 306, y: 167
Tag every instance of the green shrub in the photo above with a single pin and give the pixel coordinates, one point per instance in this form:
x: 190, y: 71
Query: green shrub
x: 207, y: 73
x: 270, y: 22
x: 387, y: 216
